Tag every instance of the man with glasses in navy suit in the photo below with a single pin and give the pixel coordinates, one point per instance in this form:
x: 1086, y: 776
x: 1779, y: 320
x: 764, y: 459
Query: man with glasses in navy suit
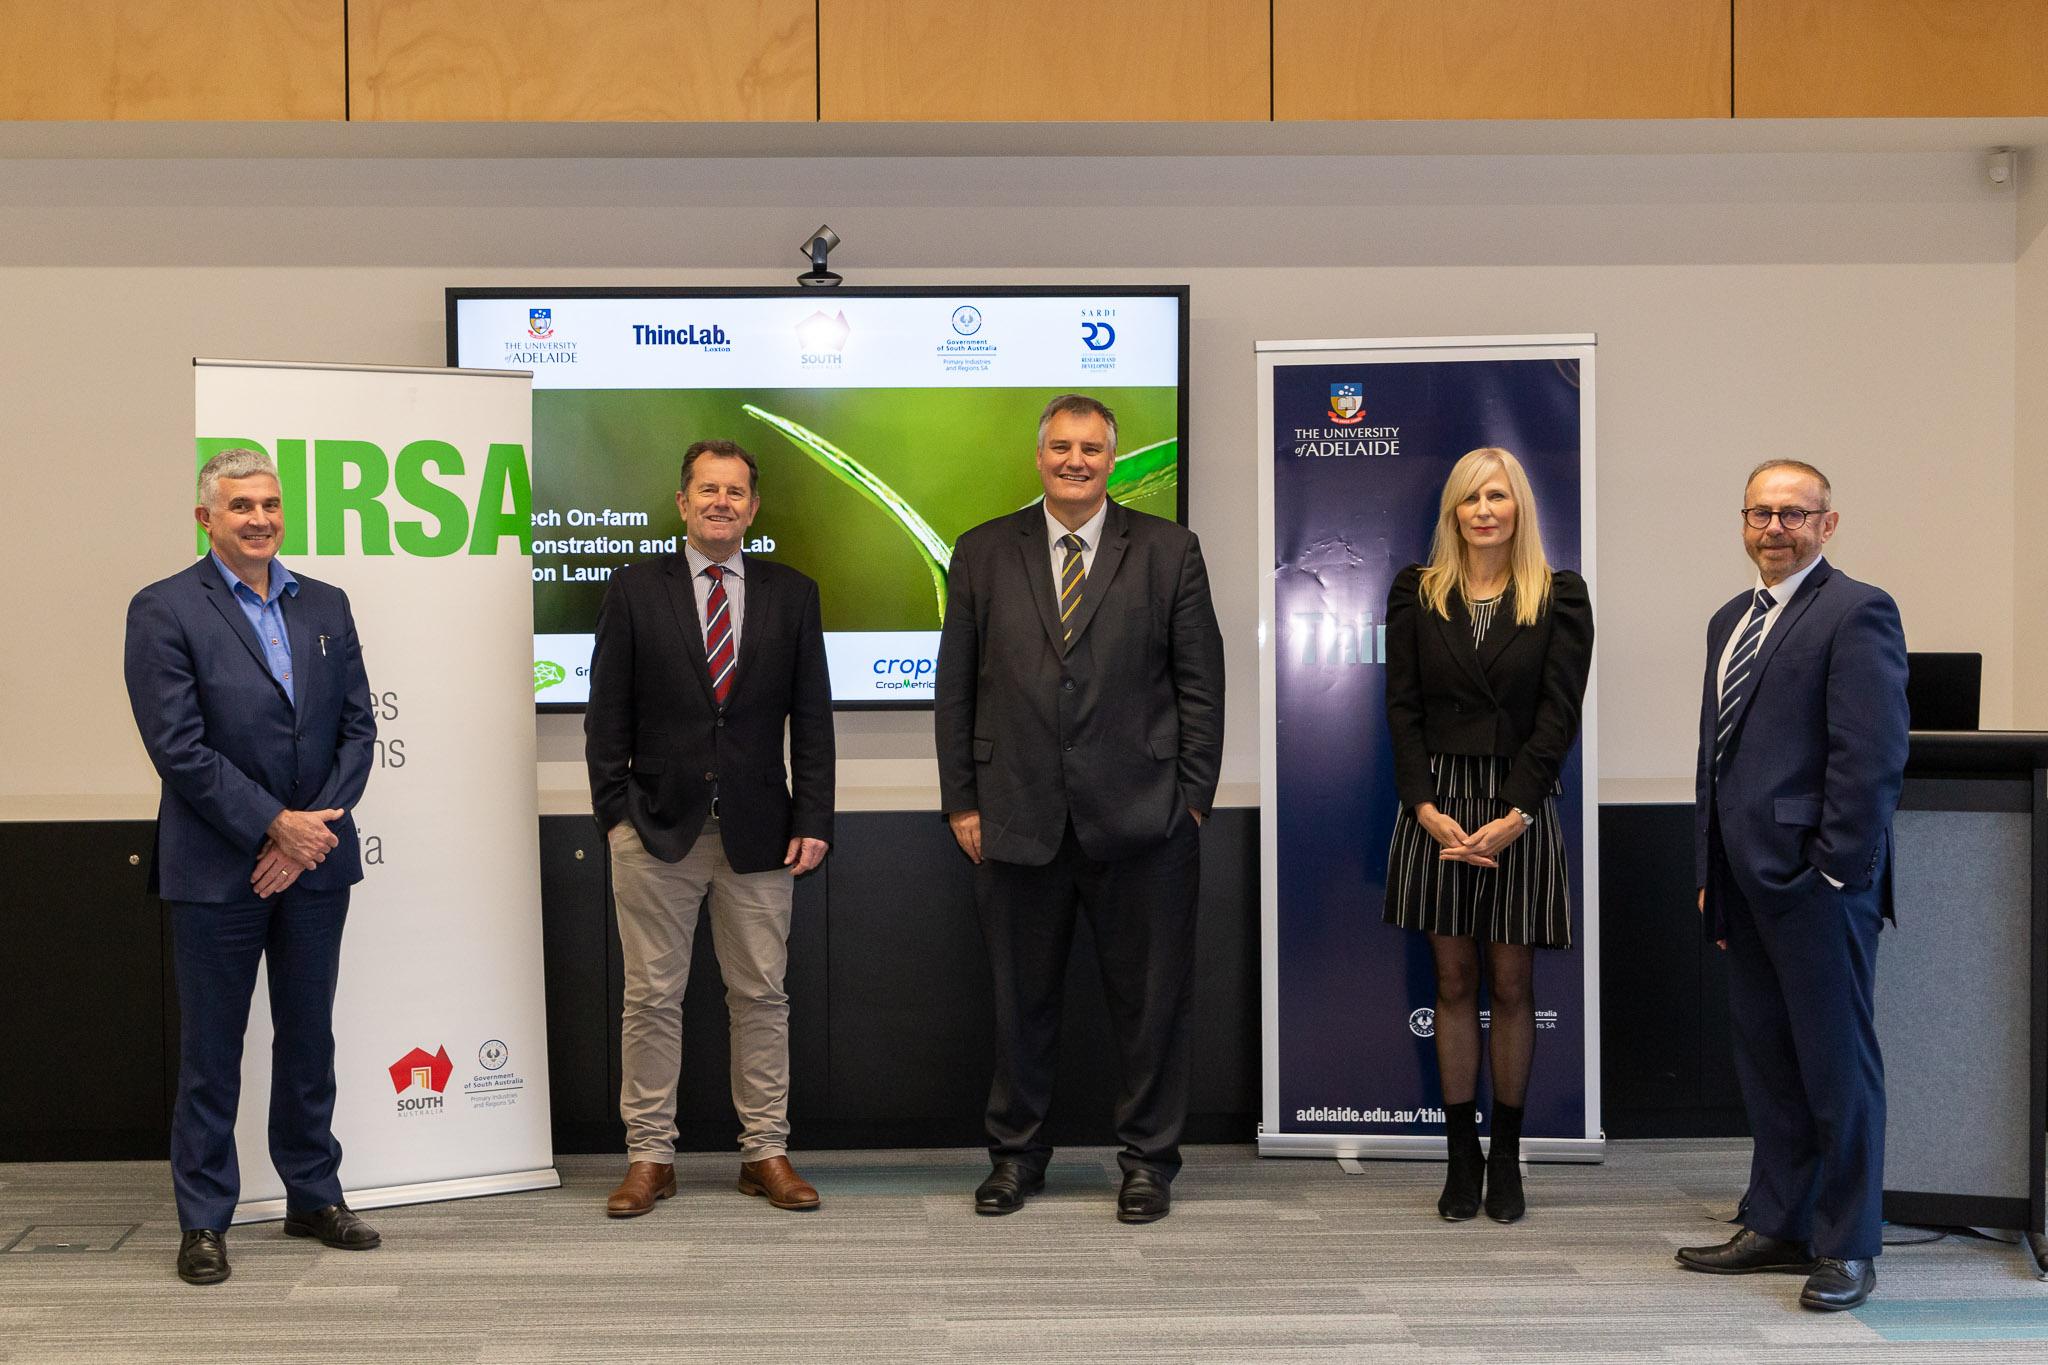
x: 1803, y: 728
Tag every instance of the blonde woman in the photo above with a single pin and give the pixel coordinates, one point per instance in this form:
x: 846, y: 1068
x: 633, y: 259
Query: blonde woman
x: 1487, y: 653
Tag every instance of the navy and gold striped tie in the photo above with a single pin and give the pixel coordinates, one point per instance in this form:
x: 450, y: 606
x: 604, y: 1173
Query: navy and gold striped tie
x: 1073, y: 577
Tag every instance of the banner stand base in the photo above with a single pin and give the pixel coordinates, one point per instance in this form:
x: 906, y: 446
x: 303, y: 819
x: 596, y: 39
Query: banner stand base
x: 1350, y: 1150
x: 426, y: 1192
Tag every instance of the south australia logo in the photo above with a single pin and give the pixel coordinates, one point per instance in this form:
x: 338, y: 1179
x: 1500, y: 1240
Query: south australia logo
x: 424, y: 1072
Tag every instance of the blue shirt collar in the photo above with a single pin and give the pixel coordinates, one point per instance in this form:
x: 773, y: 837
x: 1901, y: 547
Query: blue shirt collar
x: 281, y: 579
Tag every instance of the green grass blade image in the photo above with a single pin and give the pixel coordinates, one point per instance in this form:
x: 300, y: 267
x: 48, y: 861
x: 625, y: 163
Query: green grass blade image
x: 1145, y: 471
x: 937, y: 554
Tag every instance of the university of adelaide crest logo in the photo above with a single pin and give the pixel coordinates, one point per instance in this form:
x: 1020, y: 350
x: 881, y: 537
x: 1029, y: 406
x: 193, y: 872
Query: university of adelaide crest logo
x: 1347, y: 404
x: 540, y: 324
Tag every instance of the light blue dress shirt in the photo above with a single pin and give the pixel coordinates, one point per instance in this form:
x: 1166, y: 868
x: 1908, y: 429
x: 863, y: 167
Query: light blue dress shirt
x: 266, y: 617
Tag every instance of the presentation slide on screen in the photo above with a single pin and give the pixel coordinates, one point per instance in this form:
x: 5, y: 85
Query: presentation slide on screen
x: 884, y: 427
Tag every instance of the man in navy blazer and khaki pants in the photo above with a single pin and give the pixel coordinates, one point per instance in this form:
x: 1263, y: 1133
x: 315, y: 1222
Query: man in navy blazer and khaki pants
x: 248, y: 689
x: 1803, y: 736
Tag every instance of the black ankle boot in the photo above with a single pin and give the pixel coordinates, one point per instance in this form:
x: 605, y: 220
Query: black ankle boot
x: 1466, y: 1169
x: 1504, y: 1203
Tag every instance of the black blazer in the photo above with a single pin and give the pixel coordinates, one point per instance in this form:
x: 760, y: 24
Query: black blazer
x: 1122, y: 732
x: 1517, y: 696
x: 658, y: 746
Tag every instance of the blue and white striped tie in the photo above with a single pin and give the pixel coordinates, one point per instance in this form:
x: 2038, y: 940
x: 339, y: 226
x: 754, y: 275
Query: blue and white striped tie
x: 1741, y: 669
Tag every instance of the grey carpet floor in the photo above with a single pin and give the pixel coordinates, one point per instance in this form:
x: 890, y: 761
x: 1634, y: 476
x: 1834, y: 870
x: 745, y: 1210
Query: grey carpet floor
x: 1261, y: 1261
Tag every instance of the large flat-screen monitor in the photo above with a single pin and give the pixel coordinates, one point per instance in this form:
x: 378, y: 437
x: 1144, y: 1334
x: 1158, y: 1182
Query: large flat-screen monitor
x: 886, y: 422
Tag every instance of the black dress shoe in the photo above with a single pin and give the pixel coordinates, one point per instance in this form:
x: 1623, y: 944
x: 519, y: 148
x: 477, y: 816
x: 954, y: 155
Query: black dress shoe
x: 1006, y: 1188
x: 202, y: 1257
x: 1836, y: 1284
x: 1145, y: 1198
x: 335, y: 1226
x: 1748, y: 1253
x: 1464, y: 1179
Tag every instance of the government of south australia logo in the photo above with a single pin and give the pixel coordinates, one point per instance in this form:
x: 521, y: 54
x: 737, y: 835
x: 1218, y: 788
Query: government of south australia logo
x: 493, y: 1055
x: 967, y: 319
x: 540, y: 323
x: 1347, y: 404
x: 427, y: 1072
x: 1422, y: 1023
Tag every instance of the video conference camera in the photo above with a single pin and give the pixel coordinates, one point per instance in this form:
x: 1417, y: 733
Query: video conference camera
x: 818, y: 246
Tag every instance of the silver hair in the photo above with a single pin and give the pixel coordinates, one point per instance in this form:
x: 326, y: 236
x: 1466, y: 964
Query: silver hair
x: 1081, y: 405
x: 1827, y: 490
x: 236, y: 462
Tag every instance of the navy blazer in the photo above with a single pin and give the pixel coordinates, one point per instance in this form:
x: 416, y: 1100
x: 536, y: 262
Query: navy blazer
x: 1818, y: 754
x: 231, y: 748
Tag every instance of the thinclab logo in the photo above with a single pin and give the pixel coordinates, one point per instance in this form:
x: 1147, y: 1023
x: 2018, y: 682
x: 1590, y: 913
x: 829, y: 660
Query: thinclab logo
x: 547, y: 673
x: 711, y: 338
x: 428, y: 1073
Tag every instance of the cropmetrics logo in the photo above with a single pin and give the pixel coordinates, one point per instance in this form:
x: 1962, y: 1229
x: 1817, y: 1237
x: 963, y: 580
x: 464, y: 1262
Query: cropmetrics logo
x: 967, y: 319
x: 546, y: 673
x: 1098, y: 336
x: 428, y: 1072
x: 540, y: 323
x: 1347, y: 404
x: 1422, y: 1023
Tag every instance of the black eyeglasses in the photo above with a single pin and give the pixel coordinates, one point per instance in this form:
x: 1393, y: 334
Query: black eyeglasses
x: 1791, y: 518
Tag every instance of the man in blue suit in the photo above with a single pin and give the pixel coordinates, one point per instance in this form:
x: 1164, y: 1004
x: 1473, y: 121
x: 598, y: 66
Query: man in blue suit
x: 248, y: 688
x: 1802, y: 753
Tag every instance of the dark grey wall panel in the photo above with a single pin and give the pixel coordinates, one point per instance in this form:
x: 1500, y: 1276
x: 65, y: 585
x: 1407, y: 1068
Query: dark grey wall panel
x: 82, y: 983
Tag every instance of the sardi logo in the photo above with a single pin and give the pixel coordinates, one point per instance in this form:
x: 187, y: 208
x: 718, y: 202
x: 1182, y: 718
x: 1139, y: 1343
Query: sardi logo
x: 428, y: 1073
x: 1347, y: 436
x: 820, y: 339
x: 540, y: 323
x: 546, y: 673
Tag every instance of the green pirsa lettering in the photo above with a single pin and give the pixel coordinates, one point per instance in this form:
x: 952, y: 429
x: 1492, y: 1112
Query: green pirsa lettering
x: 334, y: 497
x: 504, y: 496
x: 441, y: 503
x: 504, y: 475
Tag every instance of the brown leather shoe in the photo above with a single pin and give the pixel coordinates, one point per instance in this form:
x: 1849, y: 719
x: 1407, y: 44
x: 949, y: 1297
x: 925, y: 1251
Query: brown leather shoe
x: 645, y: 1182
x: 778, y: 1180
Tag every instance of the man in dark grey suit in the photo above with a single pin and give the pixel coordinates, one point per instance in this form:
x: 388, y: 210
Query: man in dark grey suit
x: 1080, y: 728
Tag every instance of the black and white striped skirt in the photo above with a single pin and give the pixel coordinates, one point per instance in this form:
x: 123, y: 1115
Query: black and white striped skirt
x: 1527, y: 899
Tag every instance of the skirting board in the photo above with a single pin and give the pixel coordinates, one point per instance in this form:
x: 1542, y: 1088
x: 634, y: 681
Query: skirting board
x: 1589, y: 1150
x: 426, y: 1192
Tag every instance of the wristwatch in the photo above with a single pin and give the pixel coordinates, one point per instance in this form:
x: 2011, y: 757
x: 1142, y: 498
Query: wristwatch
x: 1527, y: 819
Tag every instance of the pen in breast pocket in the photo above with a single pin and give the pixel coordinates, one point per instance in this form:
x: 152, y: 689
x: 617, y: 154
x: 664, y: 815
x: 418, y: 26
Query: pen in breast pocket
x: 323, y: 646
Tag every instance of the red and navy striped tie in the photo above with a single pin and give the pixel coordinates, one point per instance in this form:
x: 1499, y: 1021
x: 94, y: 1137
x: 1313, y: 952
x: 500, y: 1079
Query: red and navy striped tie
x: 719, y: 654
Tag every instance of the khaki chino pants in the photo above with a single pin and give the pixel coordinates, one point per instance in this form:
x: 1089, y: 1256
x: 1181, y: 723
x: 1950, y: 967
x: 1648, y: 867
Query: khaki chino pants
x: 657, y: 905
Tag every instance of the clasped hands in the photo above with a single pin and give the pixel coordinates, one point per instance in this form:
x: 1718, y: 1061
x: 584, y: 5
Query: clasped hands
x: 297, y: 841
x: 1481, y: 847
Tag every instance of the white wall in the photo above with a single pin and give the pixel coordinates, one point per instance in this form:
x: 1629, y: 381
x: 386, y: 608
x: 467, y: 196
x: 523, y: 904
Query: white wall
x: 1863, y: 312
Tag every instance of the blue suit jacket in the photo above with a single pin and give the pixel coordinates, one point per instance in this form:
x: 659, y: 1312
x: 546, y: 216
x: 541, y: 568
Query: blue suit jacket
x: 231, y: 748
x: 1814, y: 766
